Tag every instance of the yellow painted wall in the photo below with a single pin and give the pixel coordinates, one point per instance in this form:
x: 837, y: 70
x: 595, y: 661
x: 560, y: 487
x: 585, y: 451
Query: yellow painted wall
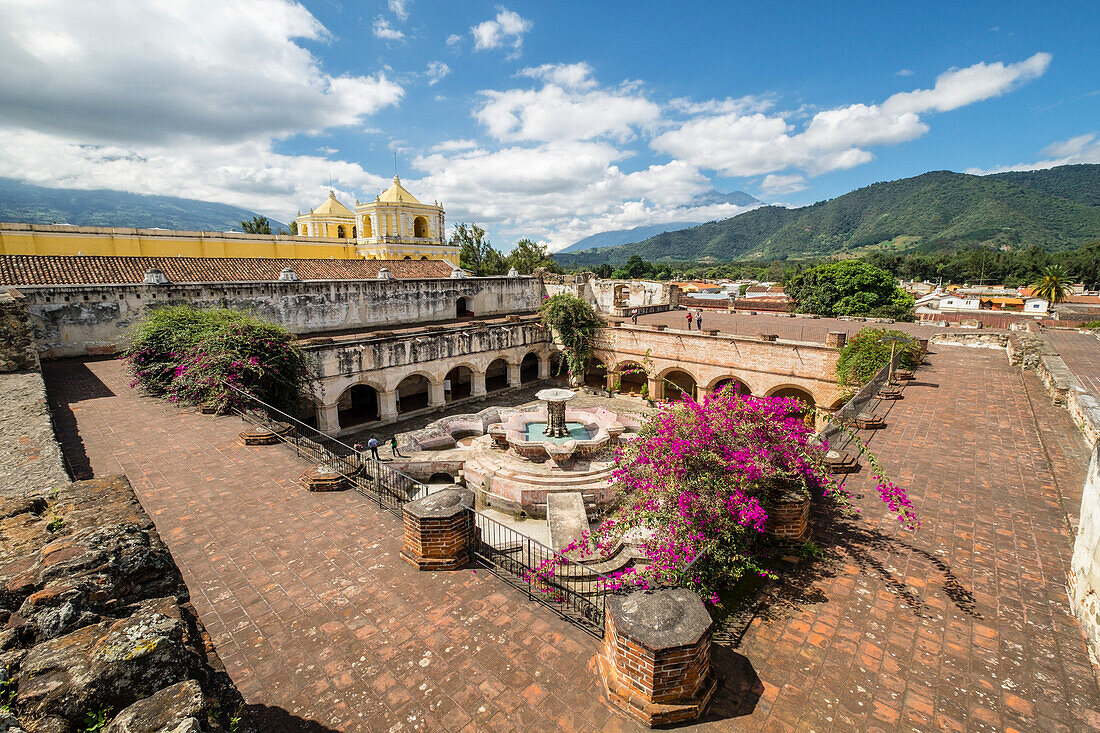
x: 62, y: 240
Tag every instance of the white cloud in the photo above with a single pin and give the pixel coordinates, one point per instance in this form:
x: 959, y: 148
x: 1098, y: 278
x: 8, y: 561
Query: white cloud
x: 570, y: 76
x: 400, y: 8
x: 214, y: 70
x: 555, y: 113
x: 779, y: 184
x: 740, y: 105
x: 1079, y: 149
x: 454, y: 39
x: 959, y: 87
x: 732, y: 138
x: 382, y: 29
x: 506, y: 29
x: 904, y: 72
x: 436, y: 71
x: 449, y: 145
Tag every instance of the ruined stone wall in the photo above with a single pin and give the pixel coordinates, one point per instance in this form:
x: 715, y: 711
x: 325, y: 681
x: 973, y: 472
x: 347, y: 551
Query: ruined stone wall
x: 1083, y: 581
x: 763, y: 367
x: 615, y: 297
x: 17, y: 352
x: 382, y: 360
x: 73, y: 320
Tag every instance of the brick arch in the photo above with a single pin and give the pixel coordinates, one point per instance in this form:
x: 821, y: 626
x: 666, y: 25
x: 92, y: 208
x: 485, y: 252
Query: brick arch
x: 747, y: 388
x: 432, y: 378
x: 633, y: 382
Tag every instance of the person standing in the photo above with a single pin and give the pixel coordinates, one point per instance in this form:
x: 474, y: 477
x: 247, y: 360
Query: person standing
x: 373, y: 445
x: 634, y: 316
x: 699, y: 320
x: 689, y: 317
x: 393, y: 447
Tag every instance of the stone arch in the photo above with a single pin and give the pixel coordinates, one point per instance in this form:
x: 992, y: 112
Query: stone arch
x: 441, y: 478
x: 358, y: 404
x: 413, y: 393
x: 406, y: 257
x: 496, y: 375
x: 462, y: 308
x: 460, y: 379
x: 529, y: 368
x: 341, y: 232
x: 420, y: 227
x: 678, y: 383
x: 595, y: 373
x: 718, y: 383
x: 630, y: 376
x: 424, y: 257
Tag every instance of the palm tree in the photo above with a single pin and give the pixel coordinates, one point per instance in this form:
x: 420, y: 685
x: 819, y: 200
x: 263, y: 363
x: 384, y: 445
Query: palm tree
x: 1052, y: 284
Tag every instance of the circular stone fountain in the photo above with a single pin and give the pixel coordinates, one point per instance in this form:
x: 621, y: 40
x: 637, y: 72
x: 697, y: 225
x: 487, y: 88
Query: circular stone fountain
x: 534, y: 453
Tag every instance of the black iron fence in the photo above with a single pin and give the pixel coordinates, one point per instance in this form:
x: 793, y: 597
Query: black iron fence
x: 387, y: 487
x: 572, y: 590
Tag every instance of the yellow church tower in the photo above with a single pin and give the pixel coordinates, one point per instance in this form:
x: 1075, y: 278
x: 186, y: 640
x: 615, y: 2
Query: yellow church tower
x: 395, y: 226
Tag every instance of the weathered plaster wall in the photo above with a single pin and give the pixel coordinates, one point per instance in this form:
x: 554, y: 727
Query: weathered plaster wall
x: 1083, y: 581
x: 72, y: 320
x: 615, y: 297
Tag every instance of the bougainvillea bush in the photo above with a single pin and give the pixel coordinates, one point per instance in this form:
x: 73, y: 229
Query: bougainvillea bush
x: 212, y: 356
x: 574, y: 323
x: 866, y: 353
x: 697, y: 482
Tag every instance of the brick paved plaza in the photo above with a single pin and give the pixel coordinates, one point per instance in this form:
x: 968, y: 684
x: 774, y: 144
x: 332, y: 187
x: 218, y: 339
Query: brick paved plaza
x: 799, y: 328
x: 1081, y: 352
x: 962, y: 626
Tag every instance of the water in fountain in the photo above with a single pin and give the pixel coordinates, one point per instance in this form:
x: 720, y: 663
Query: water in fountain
x: 535, y: 432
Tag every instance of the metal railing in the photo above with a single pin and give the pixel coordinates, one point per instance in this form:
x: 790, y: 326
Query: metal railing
x: 386, y: 486
x: 573, y: 591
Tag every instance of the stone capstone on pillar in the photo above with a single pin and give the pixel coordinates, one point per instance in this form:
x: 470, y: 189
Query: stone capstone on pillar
x: 439, y: 529
x: 655, y: 660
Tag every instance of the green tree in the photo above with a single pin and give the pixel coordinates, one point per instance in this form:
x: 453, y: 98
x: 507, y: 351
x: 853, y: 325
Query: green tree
x: 1053, y: 284
x: 294, y: 228
x: 258, y: 225
x: 866, y: 353
x: 475, y: 253
x: 527, y: 256
x: 574, y: 323
x: 849, y: 288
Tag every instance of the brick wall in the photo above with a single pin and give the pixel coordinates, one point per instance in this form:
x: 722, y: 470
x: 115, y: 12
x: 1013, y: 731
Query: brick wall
x: 789, y: 518
x: 665, y: 676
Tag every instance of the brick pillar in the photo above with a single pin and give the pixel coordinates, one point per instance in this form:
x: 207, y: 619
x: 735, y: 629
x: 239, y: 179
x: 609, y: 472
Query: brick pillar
x: 789, y: 516
x: 655, y: 660
x: 656, y: 388
x: 439, y: 530
x: 836, y: 339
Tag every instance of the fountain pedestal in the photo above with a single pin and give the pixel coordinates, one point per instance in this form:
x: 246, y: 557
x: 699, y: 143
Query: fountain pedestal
x: 555, y: 400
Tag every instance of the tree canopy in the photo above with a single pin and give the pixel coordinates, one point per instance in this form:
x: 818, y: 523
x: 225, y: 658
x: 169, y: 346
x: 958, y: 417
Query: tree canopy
x: 258, y: 225
x: 1053, y: 284
x: 849, y: 288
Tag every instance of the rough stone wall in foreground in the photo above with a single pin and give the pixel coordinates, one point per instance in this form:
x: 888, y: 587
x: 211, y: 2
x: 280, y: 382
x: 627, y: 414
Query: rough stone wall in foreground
x: 17, y: 351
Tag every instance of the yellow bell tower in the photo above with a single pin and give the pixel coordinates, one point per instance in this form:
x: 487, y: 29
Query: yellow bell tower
x: 331, y: 219
x: 397, y: 226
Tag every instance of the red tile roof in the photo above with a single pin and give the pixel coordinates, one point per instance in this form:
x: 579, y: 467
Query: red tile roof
x: 93, y: 270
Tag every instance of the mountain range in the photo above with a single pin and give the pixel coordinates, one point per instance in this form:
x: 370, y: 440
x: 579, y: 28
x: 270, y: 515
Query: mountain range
x: 29, y: 204
x: 1057, y: 208
x: 638, y: 233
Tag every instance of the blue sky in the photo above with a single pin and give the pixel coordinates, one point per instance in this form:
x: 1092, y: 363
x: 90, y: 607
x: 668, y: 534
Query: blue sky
x: 547, y: 120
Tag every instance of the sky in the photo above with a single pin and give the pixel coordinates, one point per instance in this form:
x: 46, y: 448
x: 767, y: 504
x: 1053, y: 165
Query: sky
x: 546, y: 120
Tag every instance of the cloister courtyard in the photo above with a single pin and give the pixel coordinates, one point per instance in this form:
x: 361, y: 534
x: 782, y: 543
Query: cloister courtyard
x: 962, y: 625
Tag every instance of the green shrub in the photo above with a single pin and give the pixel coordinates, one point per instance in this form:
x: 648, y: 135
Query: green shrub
x: 574, y: 322
x: 865, y: 354
x: 204, y: 356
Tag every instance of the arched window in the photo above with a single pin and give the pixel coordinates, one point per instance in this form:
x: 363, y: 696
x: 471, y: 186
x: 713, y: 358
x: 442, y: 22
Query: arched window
x: 353, y: 234
x: 340, y: 232
x: 420, y: 227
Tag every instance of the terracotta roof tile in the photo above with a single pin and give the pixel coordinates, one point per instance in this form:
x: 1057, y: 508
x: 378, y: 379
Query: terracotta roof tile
x: 91, y: 270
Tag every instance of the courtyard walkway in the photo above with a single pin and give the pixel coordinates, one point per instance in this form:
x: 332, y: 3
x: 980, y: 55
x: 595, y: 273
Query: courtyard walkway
x: 961, y: 626
x: 1081, y: 352
x: 794, y: 329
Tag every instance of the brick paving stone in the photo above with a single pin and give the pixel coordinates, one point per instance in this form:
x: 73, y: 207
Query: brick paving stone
x: 1081, y: 352
x: 795, y: 328
x: 963, y: 625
